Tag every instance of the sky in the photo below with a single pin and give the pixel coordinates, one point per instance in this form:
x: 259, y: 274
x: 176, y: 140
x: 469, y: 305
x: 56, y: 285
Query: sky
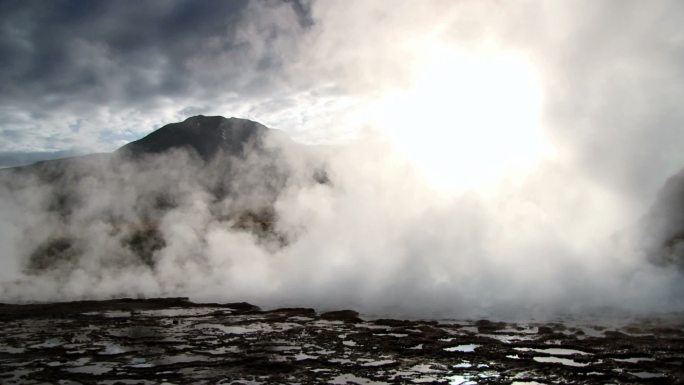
x: 84, y: 76
x: 538, y: 126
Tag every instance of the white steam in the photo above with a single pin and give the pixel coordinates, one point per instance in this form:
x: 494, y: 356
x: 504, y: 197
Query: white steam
x: 375, y: 238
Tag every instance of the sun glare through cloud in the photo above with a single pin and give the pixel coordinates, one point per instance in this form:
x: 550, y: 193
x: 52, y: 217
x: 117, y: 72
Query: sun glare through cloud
x: 467, y: 118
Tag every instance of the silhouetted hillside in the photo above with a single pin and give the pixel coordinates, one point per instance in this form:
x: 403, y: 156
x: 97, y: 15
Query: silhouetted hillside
x: 236, y: 168
x: 206, y: 135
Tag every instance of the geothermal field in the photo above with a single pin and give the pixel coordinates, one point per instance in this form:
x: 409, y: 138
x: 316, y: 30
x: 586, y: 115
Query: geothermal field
x: 173, y: 340
x: 346, y: 192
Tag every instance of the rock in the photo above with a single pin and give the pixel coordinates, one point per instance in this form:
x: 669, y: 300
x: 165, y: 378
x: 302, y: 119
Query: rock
x: 349, y: 316
x: 487, y: 326
x: 242, y: 307
x: 392, y: 322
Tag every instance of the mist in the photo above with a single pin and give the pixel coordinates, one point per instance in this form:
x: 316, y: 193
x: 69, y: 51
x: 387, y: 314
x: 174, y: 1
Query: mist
x: 375, y: 237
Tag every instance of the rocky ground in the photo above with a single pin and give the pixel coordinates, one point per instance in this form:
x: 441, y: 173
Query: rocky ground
x: 176, y: 341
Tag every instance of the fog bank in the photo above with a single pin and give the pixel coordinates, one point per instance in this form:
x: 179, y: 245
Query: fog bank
x: 374, y: 237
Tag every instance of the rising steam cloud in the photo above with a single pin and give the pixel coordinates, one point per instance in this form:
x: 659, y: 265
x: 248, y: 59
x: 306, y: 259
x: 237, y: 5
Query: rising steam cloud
x: 374, y: 237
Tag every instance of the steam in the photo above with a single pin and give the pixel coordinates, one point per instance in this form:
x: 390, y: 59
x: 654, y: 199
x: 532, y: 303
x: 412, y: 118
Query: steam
x: 374, y: 237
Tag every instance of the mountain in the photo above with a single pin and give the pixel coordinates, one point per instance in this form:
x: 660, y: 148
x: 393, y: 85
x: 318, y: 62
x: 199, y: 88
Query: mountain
x: 206, y: 135
x: 122, y: 207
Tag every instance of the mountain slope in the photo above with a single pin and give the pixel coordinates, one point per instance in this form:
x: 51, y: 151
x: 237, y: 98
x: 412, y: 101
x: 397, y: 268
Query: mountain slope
x: 206, y: 135
x: 124, y: 208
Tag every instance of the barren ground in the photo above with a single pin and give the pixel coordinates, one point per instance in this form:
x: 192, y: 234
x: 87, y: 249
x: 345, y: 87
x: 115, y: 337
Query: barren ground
x: 176, y: 341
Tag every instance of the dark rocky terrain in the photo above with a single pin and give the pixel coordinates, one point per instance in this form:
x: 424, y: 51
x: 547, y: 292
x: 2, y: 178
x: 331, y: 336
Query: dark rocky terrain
x: 175, y: 341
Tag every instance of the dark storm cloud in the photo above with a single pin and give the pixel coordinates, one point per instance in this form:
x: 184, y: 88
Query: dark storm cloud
x: 611, y: 71
x: 70, y: 59
x: 139, y: 50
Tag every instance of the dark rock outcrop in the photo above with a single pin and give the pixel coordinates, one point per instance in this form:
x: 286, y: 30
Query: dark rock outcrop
x: 348, y: 316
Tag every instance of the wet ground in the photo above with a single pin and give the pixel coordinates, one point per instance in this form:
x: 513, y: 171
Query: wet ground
x: 175, y: 341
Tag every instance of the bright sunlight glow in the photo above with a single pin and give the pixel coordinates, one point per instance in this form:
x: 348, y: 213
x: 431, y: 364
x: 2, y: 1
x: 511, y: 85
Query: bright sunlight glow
x: 467, y: 119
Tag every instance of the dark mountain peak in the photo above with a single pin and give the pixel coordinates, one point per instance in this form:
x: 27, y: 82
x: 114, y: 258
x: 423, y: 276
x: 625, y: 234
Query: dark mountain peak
x: 206, y: 135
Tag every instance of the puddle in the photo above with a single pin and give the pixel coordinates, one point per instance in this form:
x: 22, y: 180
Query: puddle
x: 285, y: 326
x: 109, y: 314
x: 283, y: 348
x: 460, y: 380
x: 634, y: 360
x: 11, y: 350
x: 508, y: 338
x: 373, y: 327
x: 379, y: 363
x: 181, y: 312
x: 112, y: 350
x: 559, y: 360
x: 469, y: 348
x: 182, y: 358
x: 521, y: 329
x: 553, y: 351
x: 222, y: 350
x: 592, y: 332
x: 303, y: 356
x: 424, y: 368
x: 247, y: 329
x: 397, y: 335
x: 327, y: 323
x: 423, y: 380
x: 342, y: 361
x: 488, y: 374
x: 647, y: 375
x: 142, y: 365
x: 49, y: 343
x: 94, y: 369
x: 345, y: 379
x: 80, y: 362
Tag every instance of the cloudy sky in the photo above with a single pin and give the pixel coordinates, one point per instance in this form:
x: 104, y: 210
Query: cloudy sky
x: 599, y: 81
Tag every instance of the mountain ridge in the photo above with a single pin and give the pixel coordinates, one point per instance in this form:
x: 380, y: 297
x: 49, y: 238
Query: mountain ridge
x: 238, y: 167
x: 206, y: 135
